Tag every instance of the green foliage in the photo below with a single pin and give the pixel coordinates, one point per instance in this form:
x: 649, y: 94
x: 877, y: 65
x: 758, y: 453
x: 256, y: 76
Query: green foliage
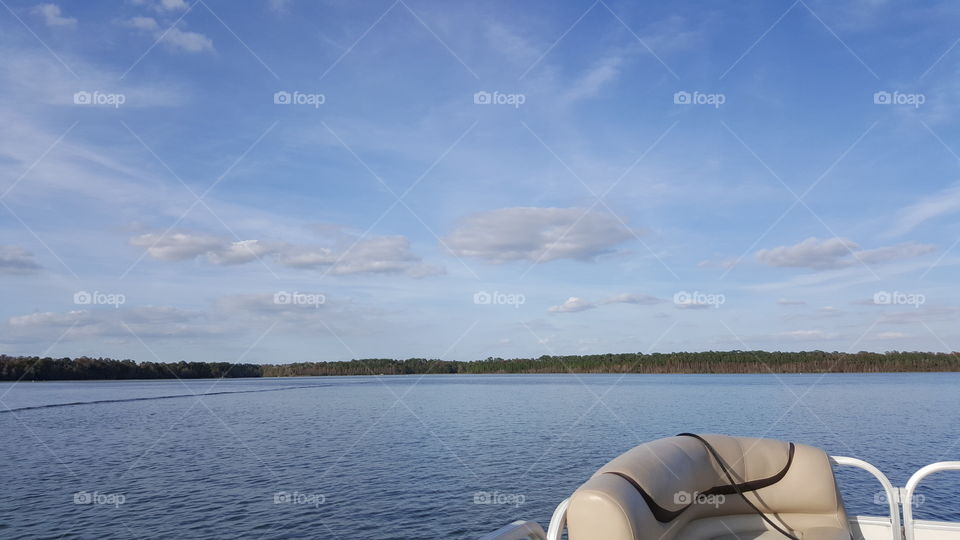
x: 31, y: 368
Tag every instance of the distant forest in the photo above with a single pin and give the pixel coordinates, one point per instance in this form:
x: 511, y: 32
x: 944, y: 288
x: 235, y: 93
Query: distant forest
x: 33, y: 368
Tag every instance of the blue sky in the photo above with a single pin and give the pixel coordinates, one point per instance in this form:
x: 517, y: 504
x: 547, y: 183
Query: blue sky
x: 159, y: 196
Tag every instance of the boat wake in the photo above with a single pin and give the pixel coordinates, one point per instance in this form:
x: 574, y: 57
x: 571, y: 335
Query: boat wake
x: 152, y: 398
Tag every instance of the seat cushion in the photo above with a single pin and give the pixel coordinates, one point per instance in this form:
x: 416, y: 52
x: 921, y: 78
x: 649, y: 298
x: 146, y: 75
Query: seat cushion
x: 815, y: 533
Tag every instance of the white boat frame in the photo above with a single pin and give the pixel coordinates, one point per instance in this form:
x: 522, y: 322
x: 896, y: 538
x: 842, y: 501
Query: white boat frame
x: 862, y: 527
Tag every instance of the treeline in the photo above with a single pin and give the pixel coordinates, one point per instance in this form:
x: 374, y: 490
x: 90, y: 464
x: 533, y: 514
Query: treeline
x: 53, y: 369
x: 34, y: 368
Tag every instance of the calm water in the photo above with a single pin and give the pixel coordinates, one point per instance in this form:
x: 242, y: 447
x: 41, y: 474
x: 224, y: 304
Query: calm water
x: 358, y: 463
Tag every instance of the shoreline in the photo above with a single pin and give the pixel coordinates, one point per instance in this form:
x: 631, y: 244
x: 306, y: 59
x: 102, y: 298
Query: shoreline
x: 33, y: 368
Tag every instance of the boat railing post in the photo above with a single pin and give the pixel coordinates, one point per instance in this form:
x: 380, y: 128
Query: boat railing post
x: 912, y: 486
x: 559, y: 521
x: 892, y: 493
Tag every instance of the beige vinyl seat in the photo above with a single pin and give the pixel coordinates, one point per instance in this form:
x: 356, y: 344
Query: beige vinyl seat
x: 673, y: 489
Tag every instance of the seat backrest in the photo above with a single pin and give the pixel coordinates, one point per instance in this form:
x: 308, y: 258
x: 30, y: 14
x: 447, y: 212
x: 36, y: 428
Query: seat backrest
x: 658, y: 489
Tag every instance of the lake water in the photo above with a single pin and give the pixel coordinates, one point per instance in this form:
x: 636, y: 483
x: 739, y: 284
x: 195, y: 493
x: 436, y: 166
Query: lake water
x: 405, y: 457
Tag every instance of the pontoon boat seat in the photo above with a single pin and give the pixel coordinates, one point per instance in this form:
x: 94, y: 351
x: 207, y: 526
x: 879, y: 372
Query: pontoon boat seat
x: 673, y: 489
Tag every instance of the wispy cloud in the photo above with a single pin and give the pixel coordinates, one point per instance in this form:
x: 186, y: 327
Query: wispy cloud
x: 537, y: 235
x: 832, y: 253
x: 53, y: 15
x: 16, y: 260
x: 174, y: 38
x: 575, y: 304
x: 943, y: 203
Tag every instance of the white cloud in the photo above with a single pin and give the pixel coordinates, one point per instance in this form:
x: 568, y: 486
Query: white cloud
x: 16, y: 260
x: 640, y: 299
x: 379, y: 255
x: 807, y: 334
x: 787, y: 302
x: 836, y: 252
x: 52, y: 15
x: 536, y: 234
x: 375, y: 255
x: 726, y: 263
x: 187, y: 41
x: 143, y: 23
x: 144, y: 322
x: 594, y: 80
x: 49, y: 318
x: 240, y: 252
x: 945, y: 202
x: 574, y: 304
x: 892, y: 253
x: 279, y: 6
x: 177, y: 246
x: 162, y: 5
x: 173, y: 38
x: 810, y: 253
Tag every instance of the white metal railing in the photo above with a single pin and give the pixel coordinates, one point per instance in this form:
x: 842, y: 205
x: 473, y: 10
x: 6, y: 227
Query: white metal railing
x: 893, y: 494
x: 518, y: 530
x: 896, y: 498
x: 907, y: 502
x: 559, y: 521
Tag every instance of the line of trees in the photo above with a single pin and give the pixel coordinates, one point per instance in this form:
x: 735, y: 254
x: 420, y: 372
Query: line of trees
x: 83, y: 368
x: 34, y: 368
